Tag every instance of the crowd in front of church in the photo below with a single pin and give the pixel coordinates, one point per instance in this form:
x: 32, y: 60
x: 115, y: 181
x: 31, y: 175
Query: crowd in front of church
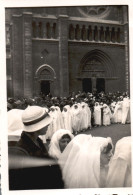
x: 80, y: 111
x: 81, y: 161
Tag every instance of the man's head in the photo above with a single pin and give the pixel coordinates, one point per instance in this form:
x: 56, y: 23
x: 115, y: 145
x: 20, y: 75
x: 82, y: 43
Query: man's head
x: 36, y: 118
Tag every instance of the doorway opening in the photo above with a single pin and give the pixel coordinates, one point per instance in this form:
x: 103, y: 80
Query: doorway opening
x: 45, y: 87
x: 100, y: 85
x: 87, y: 85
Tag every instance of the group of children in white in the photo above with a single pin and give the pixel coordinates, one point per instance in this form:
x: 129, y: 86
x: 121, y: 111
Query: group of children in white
x: 77, y: 118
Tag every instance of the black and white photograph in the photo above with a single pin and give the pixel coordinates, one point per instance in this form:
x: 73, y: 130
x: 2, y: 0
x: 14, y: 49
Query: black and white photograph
x: 68, y: 97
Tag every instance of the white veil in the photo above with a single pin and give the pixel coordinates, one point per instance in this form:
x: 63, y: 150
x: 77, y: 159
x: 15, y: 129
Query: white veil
x: 119, y: 174
x: 54, y: 149
x: 80, y: 161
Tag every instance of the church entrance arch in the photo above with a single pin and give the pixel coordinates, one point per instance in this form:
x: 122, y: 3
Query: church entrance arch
x: 44, y: 77
x: 95, y: 69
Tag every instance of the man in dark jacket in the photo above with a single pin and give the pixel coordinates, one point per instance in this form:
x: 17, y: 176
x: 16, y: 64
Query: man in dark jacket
x: 30, y: 166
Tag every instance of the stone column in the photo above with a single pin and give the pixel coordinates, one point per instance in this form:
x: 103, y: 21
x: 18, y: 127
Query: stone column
x: 110, y: 34
x: 27, y: 54
x: 99, y: 32
x: 51, y: 30
x: 74, y: 31
x: 127, y: 68
x: 16, y: 48
x: 63, y: 54
x: 93, y: 33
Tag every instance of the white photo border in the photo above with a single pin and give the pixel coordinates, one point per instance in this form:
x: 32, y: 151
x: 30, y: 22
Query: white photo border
x: 3, y: 115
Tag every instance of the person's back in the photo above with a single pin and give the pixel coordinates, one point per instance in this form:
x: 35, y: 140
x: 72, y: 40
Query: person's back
x: 26, y: 172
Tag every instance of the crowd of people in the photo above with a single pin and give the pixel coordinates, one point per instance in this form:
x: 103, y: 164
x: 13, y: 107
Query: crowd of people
x: 76, y: 160
x: 80, y: 111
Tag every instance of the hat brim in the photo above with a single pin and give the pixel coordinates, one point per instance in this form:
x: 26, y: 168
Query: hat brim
x: 36, y: 127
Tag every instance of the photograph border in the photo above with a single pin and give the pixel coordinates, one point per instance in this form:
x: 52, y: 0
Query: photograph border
x: 3, y: 103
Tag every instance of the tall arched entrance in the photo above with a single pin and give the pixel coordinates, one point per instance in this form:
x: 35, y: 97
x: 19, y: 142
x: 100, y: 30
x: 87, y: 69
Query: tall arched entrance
x: 95, y: 72
x: 44, y: 80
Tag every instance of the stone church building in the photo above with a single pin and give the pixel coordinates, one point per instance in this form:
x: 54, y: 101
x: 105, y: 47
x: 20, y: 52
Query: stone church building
x: 59, y: 50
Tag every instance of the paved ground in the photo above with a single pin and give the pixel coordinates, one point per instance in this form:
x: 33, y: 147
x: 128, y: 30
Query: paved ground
x: 115, y: 131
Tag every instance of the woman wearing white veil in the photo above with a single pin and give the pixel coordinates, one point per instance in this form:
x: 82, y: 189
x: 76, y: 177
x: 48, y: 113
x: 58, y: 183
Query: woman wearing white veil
x: 97, y: 114
x: 125, y: 109
x: 76, y: 117
x: 117, y: 115
x: 84, y: 116
x: 59, y: 141
x: 84, y: 162
x: 106, y: 115
x: 59, y: 120
x: 119, y: 174
x: 89, y: 115
x: 66, y: 115
x: 53, y: 125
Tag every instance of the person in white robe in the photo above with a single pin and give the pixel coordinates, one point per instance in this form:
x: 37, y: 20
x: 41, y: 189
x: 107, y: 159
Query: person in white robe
x: 76, y: 117
x: 52, y: 128
x: 106, y: 115
x: 97, y: 114
x: 59, y: 120
x: 117, y: 115
x: 89, y: 116
x: 112, y: 109
x: 58, y: 142
x: 125, y: 109
x: 66, y: 115
x: 84, y: 117
x: 128, y: 120
x: 84, y: 161
x: 119, y: 174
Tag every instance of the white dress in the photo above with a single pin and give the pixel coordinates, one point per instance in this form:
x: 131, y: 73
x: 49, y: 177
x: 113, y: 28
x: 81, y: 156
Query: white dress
x: 112, y: 108
x: 125, y: 109
x: 66, y: 115
x: 117, y: 115
x: 119, y: 174
x: 106, y: 115
x: 52, y: 128
x: 80, y: 162
x: 76, y: 117
x: 89, y: 116
x: 84, y: 116
x: 97, y: 114
x: 59, y: 119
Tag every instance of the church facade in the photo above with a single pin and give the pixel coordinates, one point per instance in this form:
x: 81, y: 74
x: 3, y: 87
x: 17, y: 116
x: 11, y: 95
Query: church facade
x: 59, y: 50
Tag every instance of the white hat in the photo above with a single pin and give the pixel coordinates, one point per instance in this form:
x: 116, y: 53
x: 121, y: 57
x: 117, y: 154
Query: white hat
x: 35, y: 118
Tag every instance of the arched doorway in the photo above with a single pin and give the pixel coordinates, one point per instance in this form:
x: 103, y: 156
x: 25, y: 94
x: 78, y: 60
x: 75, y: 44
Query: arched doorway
x: 96, y: 70
x: 44, y: 78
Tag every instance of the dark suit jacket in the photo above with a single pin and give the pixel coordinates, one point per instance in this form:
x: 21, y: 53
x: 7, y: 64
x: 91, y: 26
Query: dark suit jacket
x: 26, y: 169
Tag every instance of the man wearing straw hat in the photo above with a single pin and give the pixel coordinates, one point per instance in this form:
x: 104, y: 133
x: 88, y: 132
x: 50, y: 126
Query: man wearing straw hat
x: 30, y: 166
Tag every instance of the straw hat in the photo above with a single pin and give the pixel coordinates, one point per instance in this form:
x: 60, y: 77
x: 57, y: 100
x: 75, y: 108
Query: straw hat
x: 35, y: 118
